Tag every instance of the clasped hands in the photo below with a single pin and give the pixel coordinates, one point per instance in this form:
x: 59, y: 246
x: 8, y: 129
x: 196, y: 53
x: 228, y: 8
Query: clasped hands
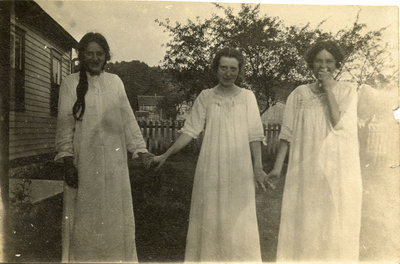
x: 270, y: 179
x: 146, y: 158
x: 151, y: 161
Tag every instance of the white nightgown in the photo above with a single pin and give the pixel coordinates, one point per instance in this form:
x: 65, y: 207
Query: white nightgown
x: 379, y: 136
x: 98, y: 220
x: 223, y: 221
x: 321, y: 207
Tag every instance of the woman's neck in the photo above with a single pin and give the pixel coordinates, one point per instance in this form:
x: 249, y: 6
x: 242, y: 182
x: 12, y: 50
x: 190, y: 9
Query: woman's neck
x: 316, y: 88
x: 227, y: 90
x: 93, y: 74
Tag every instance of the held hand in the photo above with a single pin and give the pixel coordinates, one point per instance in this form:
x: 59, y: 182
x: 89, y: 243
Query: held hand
x: 260, y: 176
x: 159, y: 160
x: 71, y: 175
x: 147, y: 159
x: 273, y: 177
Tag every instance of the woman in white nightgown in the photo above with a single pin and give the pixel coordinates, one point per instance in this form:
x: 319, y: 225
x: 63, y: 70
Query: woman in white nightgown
x: 379, y: 135
x: 321, y: 207
x: 94, y: 132
x: 223, y: 221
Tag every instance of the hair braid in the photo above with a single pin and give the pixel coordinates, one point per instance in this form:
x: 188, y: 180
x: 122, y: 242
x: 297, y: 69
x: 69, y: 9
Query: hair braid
x: 81, y: 90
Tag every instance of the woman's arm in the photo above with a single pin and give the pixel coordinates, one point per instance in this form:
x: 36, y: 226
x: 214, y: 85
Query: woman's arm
x: 255, y: 148
x: 276, y: 172
x: 65, y: 134
x: 194, y: 124
x: 179, y: 144
x: 133, y: 136
x: 65, y: 122
x: 333, y: 108
x: 280, y: 157
x: 259, y: 174
x: 326, y: 83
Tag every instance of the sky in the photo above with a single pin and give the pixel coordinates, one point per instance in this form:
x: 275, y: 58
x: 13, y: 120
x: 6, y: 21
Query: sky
x: 130, y: 28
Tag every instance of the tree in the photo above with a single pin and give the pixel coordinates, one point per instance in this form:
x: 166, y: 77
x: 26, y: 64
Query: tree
x: 172, y: 104
x: 141, y: 79
x: 174, y: 99
x: 368, y: 59
x: 274, y: 51
x: 138, y: 78
x: 190, y: 51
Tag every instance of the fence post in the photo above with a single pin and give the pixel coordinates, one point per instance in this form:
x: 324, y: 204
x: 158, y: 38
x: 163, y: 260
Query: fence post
x: 156, y: 137
x: 272, y: 137
x: 269, y: 140
x: 162, y: 135
x: 168, y: 134
x: 150, y: 139
x: 277, y: 131
x: 173, y: 126
x: 143, y: 125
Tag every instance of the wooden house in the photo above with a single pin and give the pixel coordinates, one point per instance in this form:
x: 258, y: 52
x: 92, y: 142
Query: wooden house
x: 148, y: 107
x: 40, y: 57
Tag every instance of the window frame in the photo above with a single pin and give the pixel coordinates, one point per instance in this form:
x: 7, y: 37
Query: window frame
x: 55, y: 55
x: 17, y: 80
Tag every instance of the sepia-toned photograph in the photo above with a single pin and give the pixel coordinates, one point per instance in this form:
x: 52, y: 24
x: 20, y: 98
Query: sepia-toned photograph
x: 176, y: 131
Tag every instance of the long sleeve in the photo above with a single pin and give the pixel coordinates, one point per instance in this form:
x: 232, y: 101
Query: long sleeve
x: 255, y: 127
x: 133, y: 136
x: 367, y: 97
x: 65, y: 121
x: 347, y: 98
x: 288, y: 118
x: 195, y: 121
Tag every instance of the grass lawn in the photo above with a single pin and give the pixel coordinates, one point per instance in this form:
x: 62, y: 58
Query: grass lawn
x: 161, y: 202
x: 36, y: 231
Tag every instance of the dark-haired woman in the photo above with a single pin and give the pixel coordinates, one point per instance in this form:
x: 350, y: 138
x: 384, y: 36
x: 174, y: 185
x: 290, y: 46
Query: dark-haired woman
x: 95, y: 129
x: 223, y: 221
x: 321, y: 207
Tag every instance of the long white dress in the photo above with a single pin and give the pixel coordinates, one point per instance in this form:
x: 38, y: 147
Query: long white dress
x: 223, y: 221
x: 321, y: 207
x: 98, y: 220
x: 379, y: 136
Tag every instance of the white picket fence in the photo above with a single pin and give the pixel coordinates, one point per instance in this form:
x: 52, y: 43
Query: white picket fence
x: 160, y: 134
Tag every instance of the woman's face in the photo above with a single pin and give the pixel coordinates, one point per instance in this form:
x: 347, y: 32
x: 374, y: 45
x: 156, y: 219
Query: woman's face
x: 323, y: 61
x: 95, y: 58
x: 228, y: 71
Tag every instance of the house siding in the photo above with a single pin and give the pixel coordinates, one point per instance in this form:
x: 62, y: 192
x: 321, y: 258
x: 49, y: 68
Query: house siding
x: 32, y: 132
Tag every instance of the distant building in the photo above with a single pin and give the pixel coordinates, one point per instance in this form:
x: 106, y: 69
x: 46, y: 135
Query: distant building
x: 184, y: 110
x: 148, y: 107
x: 40, y: 57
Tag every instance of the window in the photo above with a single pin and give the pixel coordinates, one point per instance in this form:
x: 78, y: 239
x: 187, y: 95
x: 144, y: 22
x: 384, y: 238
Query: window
x: 149, y: 108
x: 17, y: 63
x: 56, y: 73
